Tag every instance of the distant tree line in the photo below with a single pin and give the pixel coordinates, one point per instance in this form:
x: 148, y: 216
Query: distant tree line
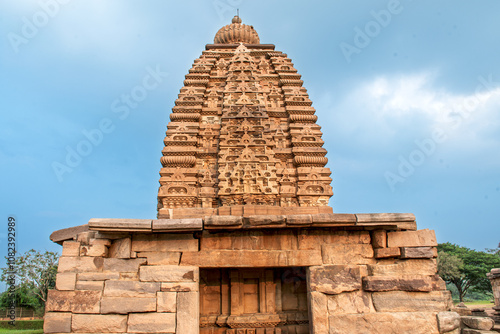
x: 465, y: 269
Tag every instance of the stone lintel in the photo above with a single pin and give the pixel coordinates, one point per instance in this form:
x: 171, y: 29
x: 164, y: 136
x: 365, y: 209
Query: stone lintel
x: 177, y: 225
x: 120, y: 225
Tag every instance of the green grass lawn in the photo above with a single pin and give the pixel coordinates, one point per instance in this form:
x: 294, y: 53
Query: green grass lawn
x: 479, y: 302
x: 27, y: 331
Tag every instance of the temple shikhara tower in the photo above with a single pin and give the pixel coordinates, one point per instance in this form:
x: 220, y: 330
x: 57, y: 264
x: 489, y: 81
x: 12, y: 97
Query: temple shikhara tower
x: 245, y: 241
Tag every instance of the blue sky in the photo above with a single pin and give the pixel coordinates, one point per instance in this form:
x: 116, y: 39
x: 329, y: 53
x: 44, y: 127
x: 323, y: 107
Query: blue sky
x: 407, y: 93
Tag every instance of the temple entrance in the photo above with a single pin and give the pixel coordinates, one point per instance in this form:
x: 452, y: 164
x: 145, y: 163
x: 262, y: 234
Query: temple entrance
x: 253, y: 301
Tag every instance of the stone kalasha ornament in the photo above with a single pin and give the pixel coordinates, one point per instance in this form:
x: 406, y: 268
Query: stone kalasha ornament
x: 263, y: 147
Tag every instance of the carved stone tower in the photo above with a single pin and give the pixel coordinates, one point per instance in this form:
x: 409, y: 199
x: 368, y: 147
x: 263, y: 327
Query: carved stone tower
x: 245, y: 242
x: 243, y: 135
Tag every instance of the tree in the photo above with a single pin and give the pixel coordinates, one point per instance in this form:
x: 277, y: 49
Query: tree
x: 465, y: 268
x: 35, y: 273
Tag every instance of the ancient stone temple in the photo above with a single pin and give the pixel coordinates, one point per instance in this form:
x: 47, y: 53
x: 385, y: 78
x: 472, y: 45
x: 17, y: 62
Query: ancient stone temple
x: 244, y: 241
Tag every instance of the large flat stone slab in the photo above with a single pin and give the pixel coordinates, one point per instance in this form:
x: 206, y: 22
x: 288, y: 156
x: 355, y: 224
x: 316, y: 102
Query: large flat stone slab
x: 73, y: 301
x: 177, y: 225
x: 120, y: 288
x: 402, y: 301
x: 153, y: 323
x: 120, y: 225
x: 164, y: 243
x: 335, y: 279
x: 421, y: 238
x: 125, y: 305
x: 99, y: 323
x: 168, y: 274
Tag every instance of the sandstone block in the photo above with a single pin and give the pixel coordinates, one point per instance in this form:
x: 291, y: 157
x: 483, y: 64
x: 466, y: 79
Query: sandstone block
x: 402, y: 301
x: 221, y: 222
x: 347, y: 254
x: 120, y: 225
x: 350, y: 302
x: 179, y: 287
x: 65, y: 281
x: 476, y: 331
x: 94, y: 250
x: 161, y: 258
x: 153, y: 323
x: 333, y: 219
x: 190, y: 224
x: 382, y: 253
x: 73, y: 301
x: 318, y: 312
x: 384, y: 323
x: 168, y: 274
x: 448, y: 321
x: 120, y: 249
x: 299, y: 220
x: 188, y: 307
x: 133, y: 276
x: 99, y: 276
x: 125, y: 305
x: 251, y: 258
x: 121, y: 288
x: 379, y: 239
x: 105, y: 242
x: 166, y: 301
x: 123, y: 265
x: 314, y: 239
x: 84, y: 237
x: 481, y: 323
x: 416, y: 283
x: 79, y: 264
x: 164, y: 243
x: 90, y: 285
x: 71, y: 248
x: 264, y: 220
x: 418, y: 252
x: 421, y: 238
x: 334, y: 279
x: 97, y: 323
x: 404, y: 267
x: 57, y: 322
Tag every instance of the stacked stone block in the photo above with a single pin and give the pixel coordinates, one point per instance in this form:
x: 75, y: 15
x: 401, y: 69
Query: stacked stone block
x: 494, y: 277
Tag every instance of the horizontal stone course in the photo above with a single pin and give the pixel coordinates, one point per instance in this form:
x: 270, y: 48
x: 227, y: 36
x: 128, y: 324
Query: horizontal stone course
x: 164, y: 243
x: 418, y: 252
x: 99, y: 323
x: 347, y: 254
x: 73, y: 301
x: 153, y: 323
x: 124, y: 305
x: 168, y: 274
x: 421, y: 238
x: 417, y: 283
x: 117, y: 225
x: 402, y: 301
x: 121, y: 288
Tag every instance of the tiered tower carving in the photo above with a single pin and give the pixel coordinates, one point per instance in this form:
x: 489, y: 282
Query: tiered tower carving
x: 242, y: 133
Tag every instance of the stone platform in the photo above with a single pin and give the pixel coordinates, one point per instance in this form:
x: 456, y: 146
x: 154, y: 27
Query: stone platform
x: 310, y: 273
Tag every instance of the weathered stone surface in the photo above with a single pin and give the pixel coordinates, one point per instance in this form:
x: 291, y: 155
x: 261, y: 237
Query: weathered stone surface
x: 264, y: 220
x: 153, y: 323
x: 188, y: 307
x: 251, y: 258
x: 166, y: 301
x: 179, y: 287
x: 299, y: 220
x: 84, y: 237
x: 381, y: 253
x: 421, y: 238
x: 121, y: 248
x: 71, y: 248
x: 133, y: 276
x: 98, y: 323
x: 57, y: 322
x: 448, y: 321
x: 384, y: 217
x: 124, y: 305
x: 481, y: 323
x: 123, y: 265
x: 221, y: 222
x: 379, y: 239
x: 333, y: 219
x: 318, y: 312
x: 79, y: 264
x: 418, y: 252
x: 120, y: 225
x: 314, y: 239
x: 94, y: 250
x: 90, y: 285
x: 73, y: 301
x: 404, y: 267
x: 350, y: 302
x: 98, y: 276
x: 121, y: 288
x: 347, y: 254
x: 161, y: 258
x: 416, y: 283
x: 70, y: 233
x: 65, y: 281
x: 402, y: 301
x: 168, y: 274
x: 164, y: 243
x: 384, y: 323
x: 334, y: 279
x: 476, y: 331
x: 165, y: 225
x: 105, y: 242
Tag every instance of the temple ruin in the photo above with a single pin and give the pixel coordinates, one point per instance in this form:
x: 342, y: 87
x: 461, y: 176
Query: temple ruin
x: 245, y: 241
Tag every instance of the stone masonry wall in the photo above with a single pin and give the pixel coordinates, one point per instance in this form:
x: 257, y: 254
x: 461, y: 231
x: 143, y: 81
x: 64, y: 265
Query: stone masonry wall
x: 359, y: 281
